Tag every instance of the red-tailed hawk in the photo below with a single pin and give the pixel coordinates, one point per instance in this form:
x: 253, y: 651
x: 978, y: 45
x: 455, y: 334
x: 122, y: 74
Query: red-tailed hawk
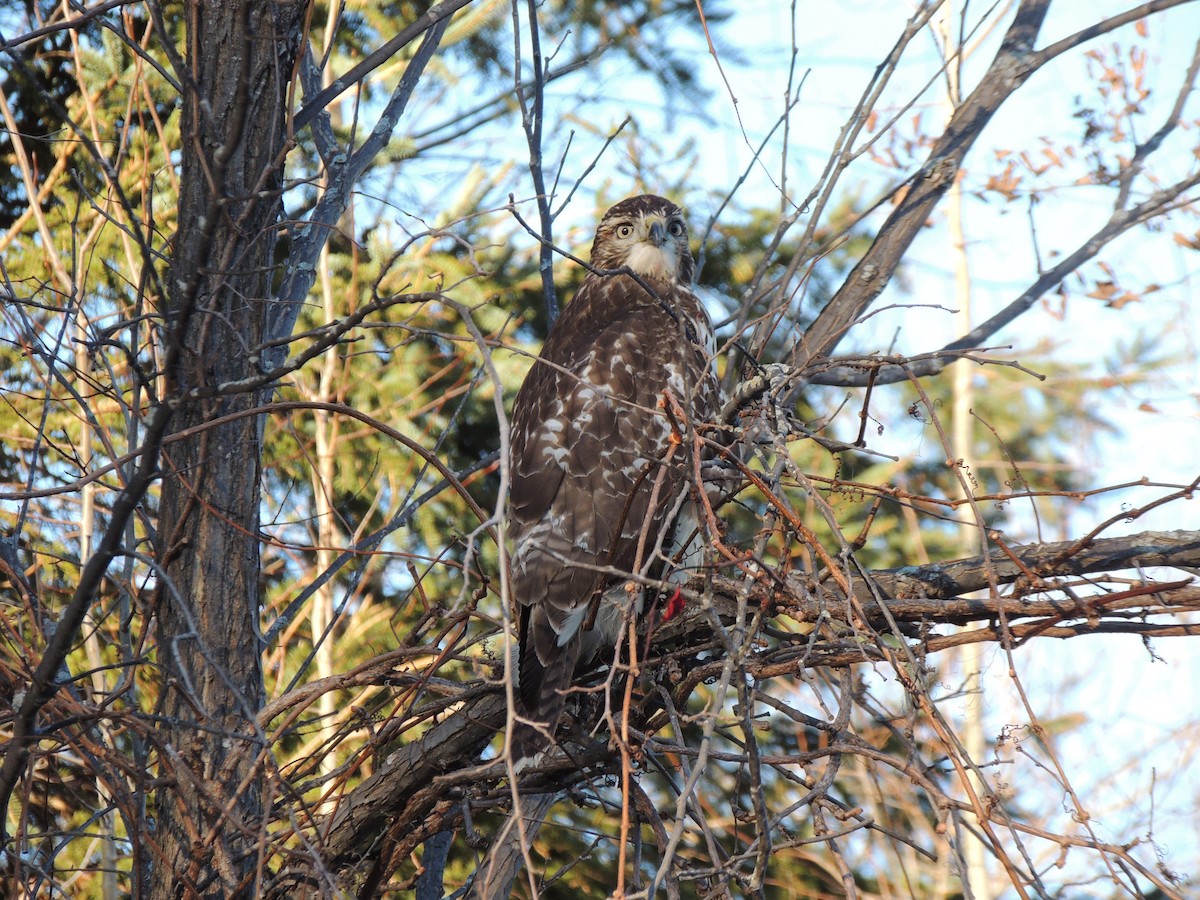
x: 593, y: 478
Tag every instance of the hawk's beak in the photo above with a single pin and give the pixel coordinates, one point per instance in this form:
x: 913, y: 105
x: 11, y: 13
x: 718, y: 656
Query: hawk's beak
x: 658, y: 232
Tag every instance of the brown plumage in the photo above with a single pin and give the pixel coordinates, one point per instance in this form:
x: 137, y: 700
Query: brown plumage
x: 589, y: 443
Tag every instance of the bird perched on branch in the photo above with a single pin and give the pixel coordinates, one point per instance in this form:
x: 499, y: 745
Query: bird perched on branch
x: 602, y: 453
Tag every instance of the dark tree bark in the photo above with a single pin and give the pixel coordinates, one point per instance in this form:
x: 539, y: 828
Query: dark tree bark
x: 209, y: 810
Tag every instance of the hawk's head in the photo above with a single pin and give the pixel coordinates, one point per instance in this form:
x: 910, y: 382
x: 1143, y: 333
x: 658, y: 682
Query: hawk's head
x: 648, y: 234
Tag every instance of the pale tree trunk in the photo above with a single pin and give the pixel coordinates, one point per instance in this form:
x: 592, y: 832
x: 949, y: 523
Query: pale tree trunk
x: 87, y: 512
x: 976, y: 883
x: 240, y: 57
x: 325, y: 434
x: 325, y: 429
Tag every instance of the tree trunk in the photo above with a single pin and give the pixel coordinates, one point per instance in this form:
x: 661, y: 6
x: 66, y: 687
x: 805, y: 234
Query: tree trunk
x: 209, y: 808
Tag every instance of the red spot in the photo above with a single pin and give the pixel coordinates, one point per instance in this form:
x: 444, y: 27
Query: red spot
x: 674, y: 606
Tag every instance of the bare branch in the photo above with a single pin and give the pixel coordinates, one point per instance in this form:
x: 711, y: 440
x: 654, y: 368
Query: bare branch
x: 1010, y: 68
x: 435, y: 16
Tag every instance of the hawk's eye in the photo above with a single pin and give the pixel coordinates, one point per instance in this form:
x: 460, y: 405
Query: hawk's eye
x: 624, y: 231
x: 676, y: 228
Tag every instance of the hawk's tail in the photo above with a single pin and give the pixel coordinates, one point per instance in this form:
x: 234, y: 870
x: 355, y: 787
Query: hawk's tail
x: 542, y: 692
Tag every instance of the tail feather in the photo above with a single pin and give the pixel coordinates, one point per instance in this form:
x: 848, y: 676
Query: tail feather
x: 542, y: 691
